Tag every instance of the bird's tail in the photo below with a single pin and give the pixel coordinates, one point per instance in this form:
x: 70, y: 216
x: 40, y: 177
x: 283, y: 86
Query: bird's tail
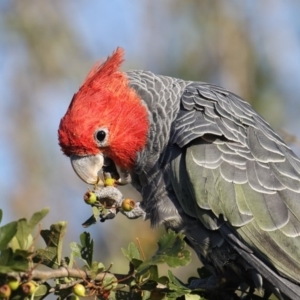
x: 285, y: 286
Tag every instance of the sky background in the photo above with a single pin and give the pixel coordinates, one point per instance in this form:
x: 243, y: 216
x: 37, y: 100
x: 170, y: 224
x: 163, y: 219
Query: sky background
x: 47, y: 48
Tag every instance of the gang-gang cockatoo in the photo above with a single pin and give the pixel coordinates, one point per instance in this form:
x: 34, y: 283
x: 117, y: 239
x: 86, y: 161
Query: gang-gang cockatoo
x: 205, y: 163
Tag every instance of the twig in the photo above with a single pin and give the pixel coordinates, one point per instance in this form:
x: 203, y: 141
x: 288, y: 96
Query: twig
x: 141, y: 249
x: 59, y: 273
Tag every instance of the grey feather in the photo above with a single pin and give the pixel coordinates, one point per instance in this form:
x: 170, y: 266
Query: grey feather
x: 214, y: 169
x: 209, y: 153
x: 246, y: 154
x: 267, y: 143
x: 259, y: 152
x: 290, y: 183
x: 287, y: 169
x: 235, y: 159
x: 225, y: 131
x: 226, y: 193
x: 233, y: 174
x: 253, y: 179
x: 266, y: 177
x: 225, y: 148
x: 231, y: 125
x: 292, y: 228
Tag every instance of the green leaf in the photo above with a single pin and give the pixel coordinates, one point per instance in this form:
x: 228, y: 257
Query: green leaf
x: 96, y: 268
x: 171, y: 250
x: 76, y: 252
x: 101, y: 267
x: 178, y: 289
x: 7, y: 232
x: 87, y: 247
x: 96, y: 212
x: 47, y: 257
x: 51, y: 256
x: 136, y: 263
x: 146, y: 295
x: 70, y: 260
x: 148, y: 275
x: 85, y: 250
x: 23, y: 236
x: 176, y: 281
x: 153, y: 272
x: 1, y: 215
x: 42, y: 291
x: 131, y: 252
x: 109, y: 282
x: 37, y: 217
x: 25, y: 244
x: 163, y: 280
x: 54, y: 236
x: 76, y: 249
x: 14, y: 261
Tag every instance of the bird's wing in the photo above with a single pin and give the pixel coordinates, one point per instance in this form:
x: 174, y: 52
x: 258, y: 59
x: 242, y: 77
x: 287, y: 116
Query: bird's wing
x: 240, y: 170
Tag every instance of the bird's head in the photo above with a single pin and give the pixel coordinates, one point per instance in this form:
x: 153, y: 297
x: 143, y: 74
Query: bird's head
x: 105, y: 119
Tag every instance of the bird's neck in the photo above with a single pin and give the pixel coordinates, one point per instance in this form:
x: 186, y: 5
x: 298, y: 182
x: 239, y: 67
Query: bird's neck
x: 161, y: 95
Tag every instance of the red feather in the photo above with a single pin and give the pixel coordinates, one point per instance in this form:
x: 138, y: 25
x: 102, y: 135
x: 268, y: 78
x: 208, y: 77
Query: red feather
x: 106, y: 100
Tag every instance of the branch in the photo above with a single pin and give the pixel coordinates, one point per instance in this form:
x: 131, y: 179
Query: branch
x: 60, y: 273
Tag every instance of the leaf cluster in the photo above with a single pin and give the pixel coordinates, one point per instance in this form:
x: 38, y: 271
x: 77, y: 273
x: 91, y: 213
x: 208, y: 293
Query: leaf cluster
x: 16, y: 242
x: 22, y: 278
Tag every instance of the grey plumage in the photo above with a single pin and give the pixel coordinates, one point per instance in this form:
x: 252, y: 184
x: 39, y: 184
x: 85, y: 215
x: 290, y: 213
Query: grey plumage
x: 214, y: 169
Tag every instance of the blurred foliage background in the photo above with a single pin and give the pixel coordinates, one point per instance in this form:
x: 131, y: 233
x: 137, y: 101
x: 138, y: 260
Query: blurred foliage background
x: 47, y: 47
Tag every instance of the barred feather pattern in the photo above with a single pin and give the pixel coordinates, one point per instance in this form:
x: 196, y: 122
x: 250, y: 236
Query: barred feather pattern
x: 233, y: 166
x: 255, y: 174
x: 151, y: 88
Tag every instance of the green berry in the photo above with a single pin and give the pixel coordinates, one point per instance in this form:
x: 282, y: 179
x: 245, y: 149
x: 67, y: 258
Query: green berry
x: 128, y: 205
x: 79, y: 290
x: 13, y: 284
x: 29, y: 287
x: 90, y: 198
x: 109, y: 182
x: 5, y: 291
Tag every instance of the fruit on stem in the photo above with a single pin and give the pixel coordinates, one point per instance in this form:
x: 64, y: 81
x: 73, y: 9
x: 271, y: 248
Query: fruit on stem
x: 29, y: 287
x: 5, y: 291
x: 13, y: 284
x: 128, y: 205
x: 109, y: 182
x: 90, y: 198
x: 79, y: 290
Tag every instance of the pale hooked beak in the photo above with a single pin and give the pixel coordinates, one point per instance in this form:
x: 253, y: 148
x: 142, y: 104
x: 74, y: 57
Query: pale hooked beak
x: 87, y: 167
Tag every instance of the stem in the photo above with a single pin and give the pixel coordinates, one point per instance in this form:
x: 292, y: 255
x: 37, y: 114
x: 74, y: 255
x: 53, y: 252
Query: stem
x: 140, y: 248
x: 59, y: 273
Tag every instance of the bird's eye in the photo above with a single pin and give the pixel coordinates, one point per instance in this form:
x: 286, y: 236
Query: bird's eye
x: 100, y: 135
